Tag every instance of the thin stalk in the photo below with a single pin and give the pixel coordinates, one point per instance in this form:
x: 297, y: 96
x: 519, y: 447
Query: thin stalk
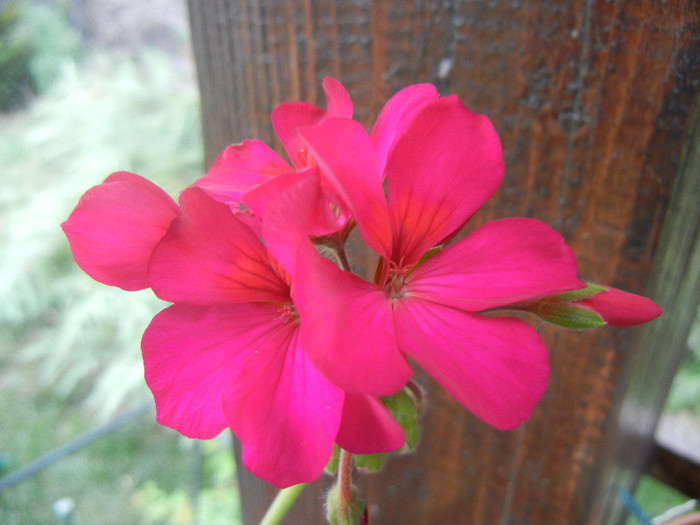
x: 281, y: 504
x: 345, y: 477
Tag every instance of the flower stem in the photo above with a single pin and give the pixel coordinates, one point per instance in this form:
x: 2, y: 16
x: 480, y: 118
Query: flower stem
x: 281, y: 504
x: 345, y: 476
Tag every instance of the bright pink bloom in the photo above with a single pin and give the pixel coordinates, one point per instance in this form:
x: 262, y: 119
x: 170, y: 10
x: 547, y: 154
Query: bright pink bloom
x: 228, y: 353
x: 444, y: 163
x: 618, y: 308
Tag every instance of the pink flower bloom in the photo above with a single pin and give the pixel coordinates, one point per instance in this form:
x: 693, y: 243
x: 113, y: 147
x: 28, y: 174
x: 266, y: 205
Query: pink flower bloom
x: 442, y: 165
x: 228, y: 353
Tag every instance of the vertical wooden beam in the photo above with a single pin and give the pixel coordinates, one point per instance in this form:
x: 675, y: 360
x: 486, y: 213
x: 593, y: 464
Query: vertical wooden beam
x: 592, y: 101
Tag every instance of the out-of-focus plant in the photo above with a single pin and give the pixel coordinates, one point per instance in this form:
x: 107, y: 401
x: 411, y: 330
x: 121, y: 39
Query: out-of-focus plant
x: 213, y: 503
x: 141, y: 115
x: 16, y: 82
x: 685, y: 391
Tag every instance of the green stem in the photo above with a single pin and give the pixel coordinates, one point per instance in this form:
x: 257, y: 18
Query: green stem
x: 281, y: 504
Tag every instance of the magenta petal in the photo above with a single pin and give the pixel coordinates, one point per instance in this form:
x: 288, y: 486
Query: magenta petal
x: 115, y: 227
x: 347, y: 328
x: 444, y: 167
x: 496, y: 367
x: 500, y: 263
x: 345, y: 155
x: 287, y: 118
x: 367, y: 426
x: 208, y: 256
x: 192, y: 355
x: 283, y: 410
x: 337, y: 99
x: 305, y: 202
x: 396, y: 115
x: 240, y: 168
x: 620, y: 308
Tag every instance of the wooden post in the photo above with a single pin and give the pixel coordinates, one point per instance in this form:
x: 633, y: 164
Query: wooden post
x: 592, y: 100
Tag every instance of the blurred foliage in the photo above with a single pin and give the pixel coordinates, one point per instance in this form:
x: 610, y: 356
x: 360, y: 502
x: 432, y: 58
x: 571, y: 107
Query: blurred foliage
x: 55, y: 44
x: 117, y: 115
x: 16, y: 82
x: 212, y: 505
x: 685, y: 391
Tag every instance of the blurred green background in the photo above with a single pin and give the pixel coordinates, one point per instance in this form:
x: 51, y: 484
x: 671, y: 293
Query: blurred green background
x: 86, y: 88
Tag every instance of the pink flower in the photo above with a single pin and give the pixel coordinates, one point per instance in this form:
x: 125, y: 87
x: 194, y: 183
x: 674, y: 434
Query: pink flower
x: 228, y: 353
x: 425, y: 302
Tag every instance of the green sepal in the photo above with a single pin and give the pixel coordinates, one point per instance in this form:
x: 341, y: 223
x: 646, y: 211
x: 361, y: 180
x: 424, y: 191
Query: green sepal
x: 351, y: 512
x: 402, y: 406
x: 569, y: 315
x: 575, y: 295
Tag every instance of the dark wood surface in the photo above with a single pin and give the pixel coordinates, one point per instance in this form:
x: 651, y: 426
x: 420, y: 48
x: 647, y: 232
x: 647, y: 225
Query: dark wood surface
x: 592, y: 100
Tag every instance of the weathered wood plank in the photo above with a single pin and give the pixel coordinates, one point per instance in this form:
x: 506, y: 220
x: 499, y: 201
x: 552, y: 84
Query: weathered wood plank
x: 592, y: 100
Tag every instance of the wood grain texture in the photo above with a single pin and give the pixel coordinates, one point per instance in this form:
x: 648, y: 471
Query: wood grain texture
x: 592, y: 101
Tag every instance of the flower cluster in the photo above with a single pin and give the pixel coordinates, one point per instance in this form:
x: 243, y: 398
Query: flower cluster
x: 272, y: 335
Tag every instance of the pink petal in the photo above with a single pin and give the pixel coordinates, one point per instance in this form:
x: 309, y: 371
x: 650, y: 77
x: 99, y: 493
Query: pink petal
x: 321, y: 219
x: 337, y: 99
x: 192, y: 354
x: 209, y: 256
x: 287, y: 118
x: 345, y: 155
x: 395, y: 116
x: 500, y: 263
x: 443, y: 168
x: 620, y: 308
x: 283, y: 410
x: 347, y: 328
x: 115, y: 227
x: 240, y: 168
x: 367, y: 426
x: 496, y: 367
x: 305, y: 202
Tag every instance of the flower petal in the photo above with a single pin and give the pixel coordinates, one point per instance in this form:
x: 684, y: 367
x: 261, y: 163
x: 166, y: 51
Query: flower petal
x: 338, y: 101
x: 444, y: 167
x: 347, y: 328
x: 367, y: 426
x: 345, y: 155
x: 209, y: 256
x: 305, y: 201
x: 191, y: 355
x: 115, y: 227
x: 620, y: 308
x: 496, y: 367
x: 240, y: 168
x: 287, y: 118
x: 283, y: 410
x: 500, y: 263
x: 396, y: 115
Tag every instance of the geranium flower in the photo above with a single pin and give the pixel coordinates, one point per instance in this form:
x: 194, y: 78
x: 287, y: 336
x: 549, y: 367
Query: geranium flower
x: 425, y: 302
x: 228, y: 353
